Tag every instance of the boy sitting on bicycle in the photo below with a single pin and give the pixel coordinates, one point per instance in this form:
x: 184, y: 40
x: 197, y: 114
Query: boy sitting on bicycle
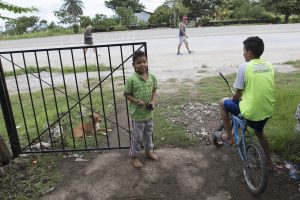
x: 254, y: 96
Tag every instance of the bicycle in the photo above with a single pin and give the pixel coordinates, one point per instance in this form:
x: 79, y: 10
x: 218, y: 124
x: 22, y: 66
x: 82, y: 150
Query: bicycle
x: 255, y: 169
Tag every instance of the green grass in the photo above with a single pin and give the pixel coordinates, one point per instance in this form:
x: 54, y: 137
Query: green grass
x: 67, y: 69
x: 54, y: 32
x: 29, y: 178
x: 34, y: 127
x: 294, y: 63
x: 214, y: 89
x: 281, y: 127
x: 167, y: 133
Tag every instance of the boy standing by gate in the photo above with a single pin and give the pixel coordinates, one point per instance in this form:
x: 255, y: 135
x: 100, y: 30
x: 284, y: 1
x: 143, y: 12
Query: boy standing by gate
x: 140, y: 90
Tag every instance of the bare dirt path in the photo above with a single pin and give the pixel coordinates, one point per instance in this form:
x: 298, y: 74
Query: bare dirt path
x: 202, y: 172
x: 198, y: 172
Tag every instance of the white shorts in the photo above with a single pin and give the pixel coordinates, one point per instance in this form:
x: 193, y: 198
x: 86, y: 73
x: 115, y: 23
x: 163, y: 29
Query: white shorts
x: 182, y: 39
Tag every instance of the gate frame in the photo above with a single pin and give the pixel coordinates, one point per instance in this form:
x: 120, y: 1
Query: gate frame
x: 9, y: 116
x: 6, y: 103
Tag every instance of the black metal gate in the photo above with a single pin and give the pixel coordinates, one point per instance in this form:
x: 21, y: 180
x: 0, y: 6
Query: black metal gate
x: 66, y: 99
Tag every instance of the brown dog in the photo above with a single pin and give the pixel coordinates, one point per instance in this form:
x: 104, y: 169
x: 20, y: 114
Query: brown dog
x: 88, y: 127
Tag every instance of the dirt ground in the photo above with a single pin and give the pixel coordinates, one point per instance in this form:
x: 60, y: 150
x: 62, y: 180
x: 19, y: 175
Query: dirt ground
x: 198, y: 172
x: 201, y: 172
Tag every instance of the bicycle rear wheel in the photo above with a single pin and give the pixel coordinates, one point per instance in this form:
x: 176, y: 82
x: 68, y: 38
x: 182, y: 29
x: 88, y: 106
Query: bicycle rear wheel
x: 256, y: 172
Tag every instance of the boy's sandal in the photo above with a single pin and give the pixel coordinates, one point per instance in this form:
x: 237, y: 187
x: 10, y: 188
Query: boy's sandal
x: 219, y: 134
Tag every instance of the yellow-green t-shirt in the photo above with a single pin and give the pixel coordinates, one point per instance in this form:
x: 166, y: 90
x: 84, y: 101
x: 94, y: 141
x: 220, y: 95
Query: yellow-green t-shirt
x: 259, y: 92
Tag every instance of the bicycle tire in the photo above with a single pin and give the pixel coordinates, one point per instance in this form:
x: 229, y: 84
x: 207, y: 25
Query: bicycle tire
x: 5, y: 155
x: 215, y: 140
x: 258, y: 162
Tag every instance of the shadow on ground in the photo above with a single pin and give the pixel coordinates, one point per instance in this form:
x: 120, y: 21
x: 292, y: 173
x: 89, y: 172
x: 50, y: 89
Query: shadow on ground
x: 194, y: 173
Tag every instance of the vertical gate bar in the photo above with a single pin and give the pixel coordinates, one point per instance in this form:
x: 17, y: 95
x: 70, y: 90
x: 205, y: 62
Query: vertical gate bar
x: 24, y: 118
x: 8, y: 115
x: 102, y: 100
x: 91, y: 101
x: 54, y: 94
x: 145, y: 49
x: 78, y: 97
x: 31, y: 100
x: 114, y: 97
x: 126, y: 101
x: 42, y: 91
x: 67, y: 98
x: 20, y: 99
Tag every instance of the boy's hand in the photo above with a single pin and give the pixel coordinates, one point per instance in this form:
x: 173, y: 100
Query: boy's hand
x: 140, y: 103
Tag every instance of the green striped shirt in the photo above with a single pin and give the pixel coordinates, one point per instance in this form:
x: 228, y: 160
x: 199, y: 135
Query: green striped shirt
x: 140, y: 89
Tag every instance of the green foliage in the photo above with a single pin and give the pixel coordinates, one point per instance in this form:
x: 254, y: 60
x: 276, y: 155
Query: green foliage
x: 102, y: 22
x: 73, y: 7
x: 177, y: 9
x: 125, y: 16
x: 203, y: 21
x: 21, y: 24
x: 242, y: 9
x: 161, y: 15
x: 85, y: 21
x: 75, y: 28
x: 143, y: 24
x: 201, y: 8
x: 135, y: 5
x: 295, y: 63
x: 120, y: 28
x: 284, y: 7
x: 52, y: 31
x: 64, y: 17
x: 51, y: 26
x: 294, y: 19
x: 70, y: 12
x: 14, y: 9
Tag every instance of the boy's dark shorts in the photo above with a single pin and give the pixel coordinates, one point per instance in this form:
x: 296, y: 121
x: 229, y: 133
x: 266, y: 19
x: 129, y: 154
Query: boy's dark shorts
x: 234, y: 108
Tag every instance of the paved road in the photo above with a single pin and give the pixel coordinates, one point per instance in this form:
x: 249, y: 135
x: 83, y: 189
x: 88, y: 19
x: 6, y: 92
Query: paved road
x: 216, y: 48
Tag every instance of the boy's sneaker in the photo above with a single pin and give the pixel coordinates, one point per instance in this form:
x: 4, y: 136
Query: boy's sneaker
x: 190, y: 52
x: 178, y: 53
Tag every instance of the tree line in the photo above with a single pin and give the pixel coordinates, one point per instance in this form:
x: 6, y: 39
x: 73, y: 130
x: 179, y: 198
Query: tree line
x: 168, y: 14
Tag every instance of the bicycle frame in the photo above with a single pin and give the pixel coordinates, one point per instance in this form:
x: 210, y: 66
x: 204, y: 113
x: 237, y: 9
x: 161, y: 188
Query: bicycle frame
x: 243, y: 147
x: 239, y: 136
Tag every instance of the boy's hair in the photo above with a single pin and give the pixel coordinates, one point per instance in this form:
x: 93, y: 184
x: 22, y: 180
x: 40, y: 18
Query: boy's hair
x: 137, y: 54
x: 255, y: 45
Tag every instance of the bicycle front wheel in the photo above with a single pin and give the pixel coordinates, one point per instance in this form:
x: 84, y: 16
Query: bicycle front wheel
x: 255, y: 171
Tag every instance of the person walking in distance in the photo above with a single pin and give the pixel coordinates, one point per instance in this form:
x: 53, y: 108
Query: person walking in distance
x: 183, y: 36
x: 140, y: 90
x: 88, y: 38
